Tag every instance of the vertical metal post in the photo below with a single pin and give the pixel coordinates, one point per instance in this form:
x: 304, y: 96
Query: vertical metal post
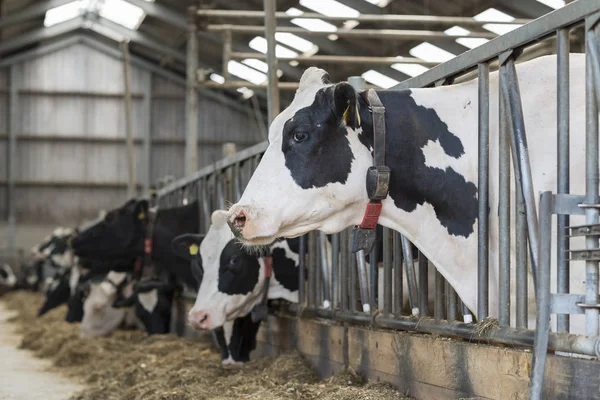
x: 374, y: 273
x: 363, y: 280
x: 591, y: 173
x: 147, y: 131
x: 423, y: 285
x: 226, y: 53
x: 325, y: 270
x: 206, y: 210
x: 543, y: 299
x: 13, y: 127
x: 504, y: 210
x: 344, y: 267
x: 562, y: 247
x: 388, y: 246
x: 438, y: 312
x: 353, y: 280
x: 451, y: 302
x: 335, y: 271
x: 483, y: 192
x: 398, y: 289
x: 191, y: 96
x: 131, y: 186
x: 302, y: 270
x: 313, y: 256
x: 318, y: 271
x: 272, y: 89
x: 411, y: 278
x: 311, y: 277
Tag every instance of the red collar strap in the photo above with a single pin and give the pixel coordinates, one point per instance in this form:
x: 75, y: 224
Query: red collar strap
x: 148, y: 246
x: 372, y: 214
x: 137, y: 266
x: 268, y: 266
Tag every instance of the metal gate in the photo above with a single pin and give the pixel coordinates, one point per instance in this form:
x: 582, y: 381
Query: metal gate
x: 347, y: 290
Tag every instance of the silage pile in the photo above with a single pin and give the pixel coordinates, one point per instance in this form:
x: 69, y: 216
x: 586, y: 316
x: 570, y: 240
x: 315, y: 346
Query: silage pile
x: 131, y: 365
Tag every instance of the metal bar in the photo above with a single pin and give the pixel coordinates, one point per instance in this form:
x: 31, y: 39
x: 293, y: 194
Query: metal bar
x: 363, y: 281
x: 594, y: 54
x: 346, y: 59
x: 533, y: 31
x: 237, y: 178
x: 38, y: 35
x: 239, y: 84
x: 205, y: 203
x: 521, y: 275
x: 269, y: 32
x: 591, y: 173
x: 344, y: 268
x: 504, y: 210
x: 563, y: 183
x: 335, y: 270
x: 302, y: 270
x: 438, y: 312
x: 452, y: 303
x: 353, y: 281
x: 312, y: 269
x: 131, y: 193
x: 380, y: 34
x: 318, y: 270
x: 507, y: 336
x: 379, y: 18
x: 325, y: 271
x: 542, y: 298
x: 147, y: 130
x: 374, y: 273
x: 11, y: 152
x: 191, y: 97
x: 398, y: 289
x: 483, y: 191
x: 423, y: 285
x: 388, y: 246
x: 411, y: 278
x: 226, y: 53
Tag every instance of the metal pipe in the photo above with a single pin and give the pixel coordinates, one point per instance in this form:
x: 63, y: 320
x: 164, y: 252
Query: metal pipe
x: 411, y: 278
x: 11, y: 153
x: 147, y: 131
x: 205, y: 204
x: 451, y: 302
x: 302, y: 270
x: 131, y: 192
x: 438, y: 303
x: 542, y: 298
x: 344, y: 267
x: 240, y: 84
x: 423, y: 285
x: 591, y: 173
x: 353, y: 280
x: 269, y: 32
x: 363, y: 280
x: 191, y: 97
x: 521, y: 153
x: 227, y: 39
x: 594, y: 54
x: 483, y: 191
x: 312, y: 289
x: 506, y: 336
x: 379, y: 18
x: 346, y: 59
x: 563, y: 183
x: 318, y: 271
x: 504, y: 210
x: 325, y: 270
x: 387, y: 270
x: 335, y: 270
x: 374, y: 273
x: 521, y: 259
x: 398, y: 289
x: 380, y: 34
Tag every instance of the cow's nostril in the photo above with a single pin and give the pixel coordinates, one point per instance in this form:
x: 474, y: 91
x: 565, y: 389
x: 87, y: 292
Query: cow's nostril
x: 239, y: 220
x: 203, y: 318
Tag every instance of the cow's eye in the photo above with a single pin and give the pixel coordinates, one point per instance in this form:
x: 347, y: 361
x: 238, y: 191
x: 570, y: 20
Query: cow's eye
x: 300, y: 136
x: 233, y: 260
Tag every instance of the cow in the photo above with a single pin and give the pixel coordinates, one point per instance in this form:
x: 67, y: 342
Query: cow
x: 56, y: 248
x: 122, y: 233
x: 31, y: 276
x: 8, y: 279
x: 312, y: 175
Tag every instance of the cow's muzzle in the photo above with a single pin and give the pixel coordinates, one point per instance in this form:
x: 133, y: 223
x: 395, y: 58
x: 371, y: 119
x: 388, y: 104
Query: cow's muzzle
x: 199, y: 320
x: 237, y: 221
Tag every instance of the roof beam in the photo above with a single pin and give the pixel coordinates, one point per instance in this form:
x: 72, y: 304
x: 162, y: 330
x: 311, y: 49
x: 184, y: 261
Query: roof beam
x: 161, y: 12
x: 41, y: 34
x: 35, y: 10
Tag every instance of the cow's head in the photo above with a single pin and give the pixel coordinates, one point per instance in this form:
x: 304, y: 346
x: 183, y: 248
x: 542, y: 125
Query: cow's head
x: 312, y: 175
x: 233, y: 279
x: 118, y: 235
x: 57, y: 292
x: 99, y: 316
x: 152, y: 300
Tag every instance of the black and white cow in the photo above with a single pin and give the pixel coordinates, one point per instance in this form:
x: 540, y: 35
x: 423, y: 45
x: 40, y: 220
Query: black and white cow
x: 56, y: 248
x: 31, y: 276
x: 122, y: 232
x: 56, y: 292
x: 312, y: 176
x: 233, y: 280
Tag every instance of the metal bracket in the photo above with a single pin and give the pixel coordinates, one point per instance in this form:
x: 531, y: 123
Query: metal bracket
x: 566, y: 303
x: 585, y: 255
x: 584, y: 230
x: 568, y: 204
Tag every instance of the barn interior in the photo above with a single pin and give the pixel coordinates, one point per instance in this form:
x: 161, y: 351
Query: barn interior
x: 102, y: 101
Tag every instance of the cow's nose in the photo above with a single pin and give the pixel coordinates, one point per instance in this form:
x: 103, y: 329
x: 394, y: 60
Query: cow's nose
x: 97, y: 308
x: 199, y: 320
x: 237, y: 221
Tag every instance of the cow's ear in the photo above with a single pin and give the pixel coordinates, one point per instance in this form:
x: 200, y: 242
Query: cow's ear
x: 187, y: 246
x: 346, y: 105
x: 124, y: 302
x: 140, y: 211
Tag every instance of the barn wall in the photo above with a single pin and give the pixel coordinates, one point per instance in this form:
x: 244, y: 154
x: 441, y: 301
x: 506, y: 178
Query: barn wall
x: 71, y: 154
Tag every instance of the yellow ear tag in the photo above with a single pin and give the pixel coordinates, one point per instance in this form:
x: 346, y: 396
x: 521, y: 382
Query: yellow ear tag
x: 357, y: 115
x: 347, y: 115
x: 141, y: 215
x: 193, y: 249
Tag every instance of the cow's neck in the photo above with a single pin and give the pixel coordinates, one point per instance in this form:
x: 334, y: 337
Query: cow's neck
x: 172, y: 222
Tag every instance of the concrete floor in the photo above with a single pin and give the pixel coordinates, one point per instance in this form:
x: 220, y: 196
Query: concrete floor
x: 24, y: 377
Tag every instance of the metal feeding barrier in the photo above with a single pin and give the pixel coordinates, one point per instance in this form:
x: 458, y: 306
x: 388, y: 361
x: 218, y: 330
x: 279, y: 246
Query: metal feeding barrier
x: 346, y: 288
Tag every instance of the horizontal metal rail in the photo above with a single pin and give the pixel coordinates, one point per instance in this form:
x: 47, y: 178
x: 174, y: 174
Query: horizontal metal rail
x: 387, y: 18
x: 339, y: 59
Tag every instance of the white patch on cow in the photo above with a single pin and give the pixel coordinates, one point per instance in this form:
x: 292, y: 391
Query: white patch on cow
x: 99, y: 317
x: 32, y: 278
x: 231, y: 361
x: 148, y: 299
x: 74, y: 278
x: 435, y: 157
x: 53, y: 285
x: 11, y: 279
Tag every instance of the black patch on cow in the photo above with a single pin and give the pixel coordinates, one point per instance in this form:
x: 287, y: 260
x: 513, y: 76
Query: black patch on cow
x: 3, y: 273
x: 238, y: 270
x: 285, y: 269
x: 57, y: 297
x: 409, y: 128
x: 75, y: 307
x: 243, y: 338
x: 294, y: 244
x: 220, y: 337
x: 324, y: 156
